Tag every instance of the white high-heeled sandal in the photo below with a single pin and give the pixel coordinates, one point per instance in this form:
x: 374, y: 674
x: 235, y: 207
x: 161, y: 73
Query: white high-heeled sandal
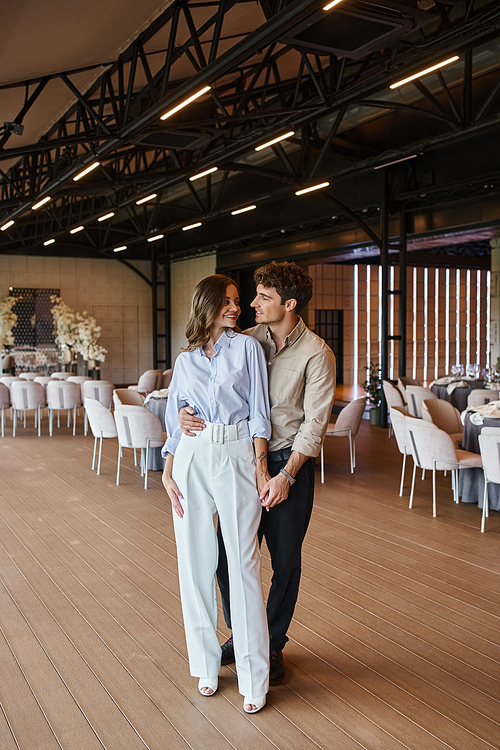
x: 209, y: 683
x: 258, y: 702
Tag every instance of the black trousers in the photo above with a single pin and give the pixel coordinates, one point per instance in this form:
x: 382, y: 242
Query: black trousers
x: 284, y: 528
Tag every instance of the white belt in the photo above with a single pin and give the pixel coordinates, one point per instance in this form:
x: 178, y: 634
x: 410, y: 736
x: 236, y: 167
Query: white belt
x: 224, y: 433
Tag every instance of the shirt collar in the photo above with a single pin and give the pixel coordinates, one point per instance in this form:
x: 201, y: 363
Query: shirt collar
x: 223, y: 340
x: 293, y: 336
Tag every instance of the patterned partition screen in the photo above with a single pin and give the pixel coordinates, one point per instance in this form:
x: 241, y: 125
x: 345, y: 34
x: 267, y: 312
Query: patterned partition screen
x: 34, y: 318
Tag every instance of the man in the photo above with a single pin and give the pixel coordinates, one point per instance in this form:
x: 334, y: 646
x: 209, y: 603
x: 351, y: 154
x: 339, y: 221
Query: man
x: 301, y: 369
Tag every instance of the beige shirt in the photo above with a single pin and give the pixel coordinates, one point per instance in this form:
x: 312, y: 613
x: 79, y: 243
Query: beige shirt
x: 301, y: 388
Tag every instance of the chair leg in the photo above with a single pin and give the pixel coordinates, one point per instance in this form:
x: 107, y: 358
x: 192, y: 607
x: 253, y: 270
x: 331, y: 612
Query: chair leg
x: 39, y: 421
x: 69, y: 418
x: 354, y: 451
x: 51, y: 420
x: 58, y: 417
x: 401, y: 486
x: 146, y: 466
x: 14, y: 423
x: 3, y: 421
x: 118, y: 467
x: 74, y: 420
x: 135, y: 456
x: 412, y: 484
x: 85, y: 424
x: 93, y: 455
x: 100, y: 456
x: 485, y: 502
x: 434, y: 513
x: 322, y: 463
x: 24, y: 420
x: 350, y: 453
x: 423, y: 474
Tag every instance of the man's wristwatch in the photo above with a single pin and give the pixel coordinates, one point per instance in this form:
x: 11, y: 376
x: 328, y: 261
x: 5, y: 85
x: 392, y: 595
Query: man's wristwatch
x: 285, y: 473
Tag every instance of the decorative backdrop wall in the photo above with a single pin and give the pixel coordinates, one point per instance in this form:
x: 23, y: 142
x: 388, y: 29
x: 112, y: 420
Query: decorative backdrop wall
x: 116, y: 296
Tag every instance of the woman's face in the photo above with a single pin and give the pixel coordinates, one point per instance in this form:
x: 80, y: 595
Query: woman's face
x: 230, y: 310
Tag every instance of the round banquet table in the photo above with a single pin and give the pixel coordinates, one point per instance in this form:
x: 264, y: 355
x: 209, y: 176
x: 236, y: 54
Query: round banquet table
x: 459, y: 396
x: 471, y: 482
x: 157, y: 406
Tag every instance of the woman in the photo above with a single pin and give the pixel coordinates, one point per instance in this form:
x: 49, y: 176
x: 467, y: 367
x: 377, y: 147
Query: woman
x: 222, y: 374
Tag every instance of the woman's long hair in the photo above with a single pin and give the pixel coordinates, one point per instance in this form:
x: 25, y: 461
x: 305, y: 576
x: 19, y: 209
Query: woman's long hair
x: 208, y: 300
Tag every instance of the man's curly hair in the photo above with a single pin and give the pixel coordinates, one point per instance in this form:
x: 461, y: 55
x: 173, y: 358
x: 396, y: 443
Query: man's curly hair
x: 289, y: 280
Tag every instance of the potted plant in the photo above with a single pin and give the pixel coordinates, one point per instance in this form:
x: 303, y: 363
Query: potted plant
x: 373, y: 389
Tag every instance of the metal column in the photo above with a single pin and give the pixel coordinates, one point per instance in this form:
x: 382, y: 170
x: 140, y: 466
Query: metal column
x: 402, y: 293
x: 384, y: 263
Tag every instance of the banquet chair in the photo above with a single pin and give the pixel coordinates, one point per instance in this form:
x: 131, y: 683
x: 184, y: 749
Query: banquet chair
x: 100, y: 390
x: 43, y: 380
x: 402, y: 436
x: 4, y: 403
x: 102, y: 425
x: 63, y: 395
x: 482, y: 396
x: 434, y: 449
x: 138, y: 428
x: 347, y: 425
x: 8, y: 379
x: 28, y: 375
x: 415, y: 395
x: 403, y: 383
x: 445, y: 416
x: 60, y: 375
x: 167, y: 378
x: 8, y: 363
x: 489, y: 445
x: 393, y: 397
x: 127, y: 397
x: 26, y: 395
x: 151, y: 380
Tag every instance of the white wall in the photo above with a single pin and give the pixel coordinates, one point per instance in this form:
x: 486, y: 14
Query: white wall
x: 184, y: 275
x: 116, y: 296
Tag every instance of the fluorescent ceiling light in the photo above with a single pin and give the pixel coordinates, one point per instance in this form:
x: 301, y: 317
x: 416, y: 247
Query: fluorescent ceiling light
x: 6, y: 226
x: 119, y: 249
x: 313, y: 187
x: 191, y: 226
x: 396, y: 161
x: 331, y: 5
x: 185, y: 102
x: 156, y: 237
x: 41, y: 203
x: 106, y: 216
x: 275, y: 140
x: 423, y: 72
x: 242, y: 210
x: 76, y: 229
x: 147, y: 198
x: 86, y: 171
x: 49, y: 242
x: 203, y: 174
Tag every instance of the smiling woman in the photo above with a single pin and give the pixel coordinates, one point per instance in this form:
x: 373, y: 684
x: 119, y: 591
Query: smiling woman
x: 222, y: 377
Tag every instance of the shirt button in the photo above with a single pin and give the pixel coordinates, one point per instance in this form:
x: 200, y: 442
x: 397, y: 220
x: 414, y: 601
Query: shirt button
x: 269, y: 363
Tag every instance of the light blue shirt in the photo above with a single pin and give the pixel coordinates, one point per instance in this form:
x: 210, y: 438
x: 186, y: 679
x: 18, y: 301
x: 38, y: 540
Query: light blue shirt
x: 226, y: 389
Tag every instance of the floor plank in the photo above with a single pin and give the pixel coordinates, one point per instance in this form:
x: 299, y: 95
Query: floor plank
x: 395, y: 641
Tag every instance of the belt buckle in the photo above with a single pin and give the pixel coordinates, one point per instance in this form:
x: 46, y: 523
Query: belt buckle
x: 217, y: 433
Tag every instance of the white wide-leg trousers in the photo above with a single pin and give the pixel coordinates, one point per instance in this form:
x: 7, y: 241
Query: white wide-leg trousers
x: 215, y: 472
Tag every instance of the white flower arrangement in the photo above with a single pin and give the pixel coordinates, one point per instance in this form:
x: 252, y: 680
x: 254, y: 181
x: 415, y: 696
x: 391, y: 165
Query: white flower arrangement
x: 79, y: 331
x: 8, y: 320
x: 64, y: 322
x: 88, y: 333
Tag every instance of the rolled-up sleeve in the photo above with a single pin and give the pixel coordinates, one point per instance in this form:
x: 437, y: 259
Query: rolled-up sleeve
x: 174, y: 403
x: 259, y: 422
x: 319, y: 392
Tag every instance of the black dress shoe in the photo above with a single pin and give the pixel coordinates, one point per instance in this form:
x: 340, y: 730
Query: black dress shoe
x: 227, y: 649
x: 276, y: 668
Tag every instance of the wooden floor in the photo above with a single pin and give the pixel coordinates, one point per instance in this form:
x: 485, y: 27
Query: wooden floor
x: 395, y: 642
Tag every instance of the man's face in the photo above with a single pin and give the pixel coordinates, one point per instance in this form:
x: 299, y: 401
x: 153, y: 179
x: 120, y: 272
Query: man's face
x: 267, y: 306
